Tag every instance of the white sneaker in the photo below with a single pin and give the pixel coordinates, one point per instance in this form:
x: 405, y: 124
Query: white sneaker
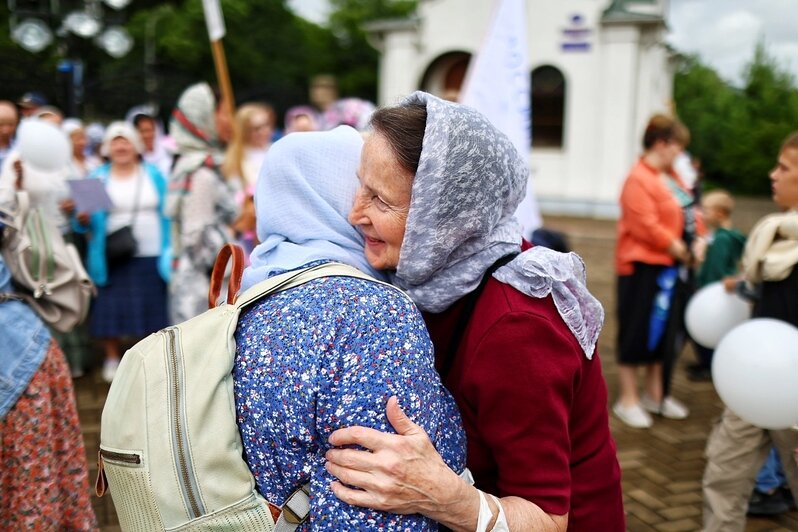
x: 669, y: 408
x: 634, y: 415
x: 109, y: 369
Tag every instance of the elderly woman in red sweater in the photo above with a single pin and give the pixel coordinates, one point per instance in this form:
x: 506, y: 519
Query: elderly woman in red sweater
x: 658, y: 221
x: 514, y: 333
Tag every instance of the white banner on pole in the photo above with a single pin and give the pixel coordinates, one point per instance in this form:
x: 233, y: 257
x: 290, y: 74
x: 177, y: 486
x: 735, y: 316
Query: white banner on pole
x: 214, y: 19
x: 497, y: 85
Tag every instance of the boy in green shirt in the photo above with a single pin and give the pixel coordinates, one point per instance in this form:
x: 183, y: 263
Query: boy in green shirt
x: 724, y: 247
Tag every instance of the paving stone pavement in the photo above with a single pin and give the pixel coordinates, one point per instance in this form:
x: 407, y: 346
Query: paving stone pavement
x: 662, y: 466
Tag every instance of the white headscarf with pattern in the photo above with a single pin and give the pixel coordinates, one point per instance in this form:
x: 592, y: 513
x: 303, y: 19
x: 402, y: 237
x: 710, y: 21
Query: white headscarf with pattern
x: 469, y: 182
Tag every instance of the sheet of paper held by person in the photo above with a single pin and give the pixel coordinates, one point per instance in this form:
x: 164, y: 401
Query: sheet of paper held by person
x: 89, y: 195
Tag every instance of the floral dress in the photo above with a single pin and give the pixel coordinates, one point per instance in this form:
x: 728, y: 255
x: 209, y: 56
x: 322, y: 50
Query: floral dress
x: 326, y: 355
x: 43, y: 473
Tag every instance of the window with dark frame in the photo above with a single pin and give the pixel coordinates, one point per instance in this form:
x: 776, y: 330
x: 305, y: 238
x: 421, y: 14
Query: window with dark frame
x: 548, y: 107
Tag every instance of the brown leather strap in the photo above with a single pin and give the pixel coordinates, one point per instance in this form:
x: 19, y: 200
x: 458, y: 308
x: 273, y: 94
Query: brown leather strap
x: 276, y: 511
x: 228, y: 251
x: 101, y: 484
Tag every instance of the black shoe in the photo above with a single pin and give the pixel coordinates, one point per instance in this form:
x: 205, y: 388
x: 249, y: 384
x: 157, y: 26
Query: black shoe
x: 786, y: 494
x: 767, y: 503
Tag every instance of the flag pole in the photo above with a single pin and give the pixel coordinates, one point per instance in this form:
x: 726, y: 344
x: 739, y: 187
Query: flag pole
x: 216, y: 31
x: 223, y: 75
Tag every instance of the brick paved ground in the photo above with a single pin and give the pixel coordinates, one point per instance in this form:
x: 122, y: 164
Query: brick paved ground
x: 662, y: 467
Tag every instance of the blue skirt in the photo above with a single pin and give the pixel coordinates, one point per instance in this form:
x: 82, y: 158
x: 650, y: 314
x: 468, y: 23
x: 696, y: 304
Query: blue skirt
x: 133, y: 303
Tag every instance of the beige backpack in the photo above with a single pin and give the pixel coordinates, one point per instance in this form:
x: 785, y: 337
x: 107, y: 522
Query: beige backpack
x: 170, y: 450
x: 48, y: 273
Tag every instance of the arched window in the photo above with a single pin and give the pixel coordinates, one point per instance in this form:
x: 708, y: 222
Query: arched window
x: 548, y: 107
x: 444, y: 76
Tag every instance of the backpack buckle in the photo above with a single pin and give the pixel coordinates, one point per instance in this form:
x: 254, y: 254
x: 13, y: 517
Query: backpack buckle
x: 297, y: 506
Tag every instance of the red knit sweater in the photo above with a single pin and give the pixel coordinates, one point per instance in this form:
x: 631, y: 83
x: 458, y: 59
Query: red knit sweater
x: 533, y: 406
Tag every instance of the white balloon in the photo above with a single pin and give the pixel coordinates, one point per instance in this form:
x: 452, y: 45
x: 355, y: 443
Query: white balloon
x: 712, y: 312
x: 755, y: 371
x: 42, y: 144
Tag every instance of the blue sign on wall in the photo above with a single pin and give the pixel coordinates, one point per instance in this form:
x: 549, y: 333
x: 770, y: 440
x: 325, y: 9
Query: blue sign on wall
x: 576, y: 36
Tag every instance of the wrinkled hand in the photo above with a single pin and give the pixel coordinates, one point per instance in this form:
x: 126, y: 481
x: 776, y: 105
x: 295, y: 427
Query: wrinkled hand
x: 402, y: 473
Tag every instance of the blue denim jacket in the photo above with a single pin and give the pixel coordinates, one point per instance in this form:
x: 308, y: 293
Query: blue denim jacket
x: 24, y: 340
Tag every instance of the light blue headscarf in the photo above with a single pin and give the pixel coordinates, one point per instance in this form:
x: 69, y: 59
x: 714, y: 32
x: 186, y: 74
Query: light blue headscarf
x: 305, y: 189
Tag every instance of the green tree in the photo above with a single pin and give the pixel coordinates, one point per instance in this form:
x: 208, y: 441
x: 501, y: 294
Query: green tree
x: 736, y: 132
x: 271, y: 55
x: 357, y: 62
x: 702, y: 97
x: 769, y: 102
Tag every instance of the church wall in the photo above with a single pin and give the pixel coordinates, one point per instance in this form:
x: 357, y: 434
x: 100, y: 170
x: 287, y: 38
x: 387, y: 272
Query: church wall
x: 616, y: 76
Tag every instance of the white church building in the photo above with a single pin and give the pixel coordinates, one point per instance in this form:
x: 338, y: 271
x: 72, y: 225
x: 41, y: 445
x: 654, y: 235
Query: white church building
x: 598, y: 68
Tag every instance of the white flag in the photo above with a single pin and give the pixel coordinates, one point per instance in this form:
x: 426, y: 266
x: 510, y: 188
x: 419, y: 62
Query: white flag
x: 497, y: 85
x: 214, y: 19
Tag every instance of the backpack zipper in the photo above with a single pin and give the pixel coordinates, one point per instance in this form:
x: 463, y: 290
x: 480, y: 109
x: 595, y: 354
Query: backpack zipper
x: 127, y: 458
x: 188, y: 482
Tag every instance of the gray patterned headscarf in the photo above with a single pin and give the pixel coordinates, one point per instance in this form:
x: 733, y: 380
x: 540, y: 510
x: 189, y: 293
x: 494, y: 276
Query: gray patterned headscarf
x: 193, y: 127
x: 469, y: 182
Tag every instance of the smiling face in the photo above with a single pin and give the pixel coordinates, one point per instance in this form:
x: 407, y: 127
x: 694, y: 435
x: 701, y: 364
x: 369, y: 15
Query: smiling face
x: 382, y: 203
x: 784, y: 179
x: 122, y: 151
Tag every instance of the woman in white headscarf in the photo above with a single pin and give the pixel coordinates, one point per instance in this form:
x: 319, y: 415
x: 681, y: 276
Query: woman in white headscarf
x: 514, y: 332
x: 131, y: 297
x: 329, y: 353
x: 201, y: 201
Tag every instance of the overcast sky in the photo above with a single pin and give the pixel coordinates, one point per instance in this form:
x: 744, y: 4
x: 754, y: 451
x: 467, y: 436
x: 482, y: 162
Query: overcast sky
x: 315, y: 10
x: 723, y: 32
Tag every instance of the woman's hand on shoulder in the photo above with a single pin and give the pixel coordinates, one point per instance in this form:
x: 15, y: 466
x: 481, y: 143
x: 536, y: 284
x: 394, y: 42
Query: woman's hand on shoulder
x: 403, y: 473
x: 399, y: 473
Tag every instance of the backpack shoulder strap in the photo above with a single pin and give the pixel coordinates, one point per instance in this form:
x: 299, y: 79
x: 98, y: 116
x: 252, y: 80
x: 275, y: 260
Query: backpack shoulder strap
x: 295, y: 278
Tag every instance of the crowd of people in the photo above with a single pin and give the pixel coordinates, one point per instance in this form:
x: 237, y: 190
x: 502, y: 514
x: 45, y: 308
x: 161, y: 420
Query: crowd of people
x: 471, y: 398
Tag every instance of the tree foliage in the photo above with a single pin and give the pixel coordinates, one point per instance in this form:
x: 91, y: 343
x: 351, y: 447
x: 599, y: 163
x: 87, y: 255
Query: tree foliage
x: 271, y: 54
x: 356, y: 64
x: 737, y: 132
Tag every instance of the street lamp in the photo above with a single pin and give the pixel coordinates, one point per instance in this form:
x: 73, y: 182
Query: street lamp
x: 116, y: 41
x: 82, y: 24
x: 34, y: 33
